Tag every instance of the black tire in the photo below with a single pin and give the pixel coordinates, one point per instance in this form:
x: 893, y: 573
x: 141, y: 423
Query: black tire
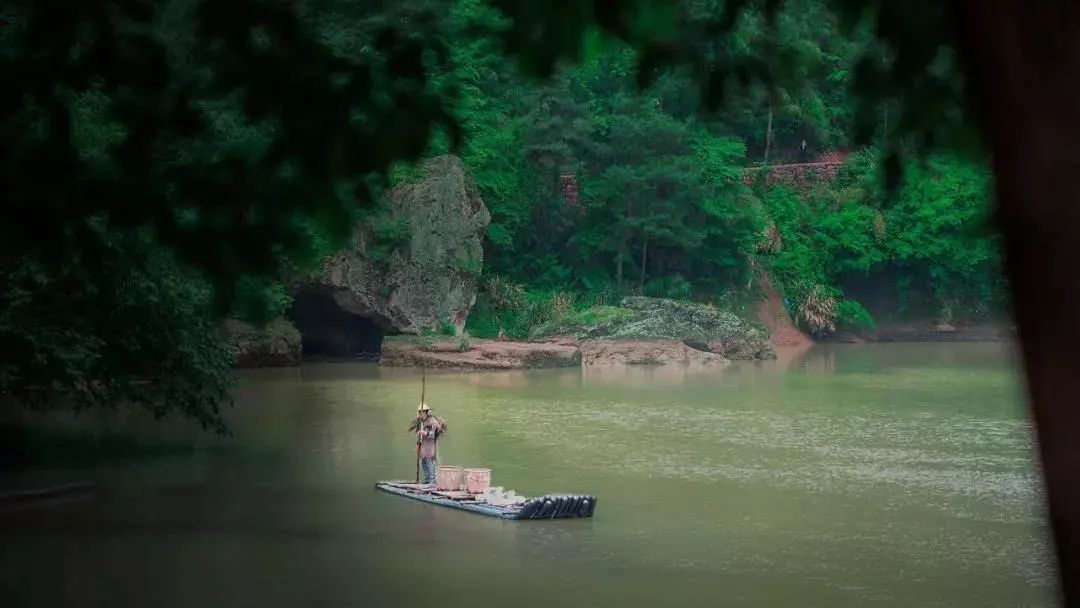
x: 545, y: 510
x: 528, y: 509
x: 568, y: 506
x: 583, y: 508
x: 577, y: 505
x: 560, y: 502
x: 572, y: 508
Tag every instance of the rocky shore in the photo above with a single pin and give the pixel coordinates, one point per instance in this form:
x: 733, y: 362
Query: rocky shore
x: 479, y: 354
x: 640, y: 331
x: 560, y: 352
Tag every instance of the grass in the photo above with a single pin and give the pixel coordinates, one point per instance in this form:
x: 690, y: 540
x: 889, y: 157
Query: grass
x: 597, y: 315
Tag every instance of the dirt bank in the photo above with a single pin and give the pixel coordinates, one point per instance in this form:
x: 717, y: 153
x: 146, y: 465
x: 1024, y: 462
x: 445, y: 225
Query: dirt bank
x: 774, y: 315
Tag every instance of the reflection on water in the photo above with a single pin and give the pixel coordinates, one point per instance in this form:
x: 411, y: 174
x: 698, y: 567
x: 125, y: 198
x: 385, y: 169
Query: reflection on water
x: 873, y: 475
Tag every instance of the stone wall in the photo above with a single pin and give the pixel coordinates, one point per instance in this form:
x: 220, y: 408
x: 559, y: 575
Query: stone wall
x: 801, y: 176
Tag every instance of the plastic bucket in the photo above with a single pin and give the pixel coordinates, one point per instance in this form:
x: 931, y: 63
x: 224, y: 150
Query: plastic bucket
x: 477, y: 480
x: 448, y: 478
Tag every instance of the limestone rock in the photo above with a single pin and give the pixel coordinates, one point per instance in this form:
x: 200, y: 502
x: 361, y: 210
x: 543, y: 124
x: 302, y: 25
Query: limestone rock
x: 431, y: 279
x: 645, y: 352
x: 696, y: 326
x: 672, y: 319
x: 275, y: 345
x: 742, y: 347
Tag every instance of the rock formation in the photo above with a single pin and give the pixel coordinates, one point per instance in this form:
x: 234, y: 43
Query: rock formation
x: 275, y: 345
x: 700, y: 327
x: 430, y: 279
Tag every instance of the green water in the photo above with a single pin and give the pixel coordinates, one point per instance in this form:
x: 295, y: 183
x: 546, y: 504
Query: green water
x: 877, y: 475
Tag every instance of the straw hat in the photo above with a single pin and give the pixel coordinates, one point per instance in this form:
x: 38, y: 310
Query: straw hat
x: 423, y: 408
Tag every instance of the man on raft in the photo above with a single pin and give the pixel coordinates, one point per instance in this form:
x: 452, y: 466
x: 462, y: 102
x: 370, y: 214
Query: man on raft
x: 428, y: 429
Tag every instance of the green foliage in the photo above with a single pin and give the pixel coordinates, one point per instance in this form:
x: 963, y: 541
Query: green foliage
x: 125, y: 325
x: 597, y: 315
x: 165, y: 162
x: 507, y: 307
x: 851, y: 316
x: 930, y: 233
x: 939, y: 233
x: 168, y: 115
x: 647, y: 181
x: 674, y: 287
x: 821, y: 62
x: 661, y: 207
x: 448, y: 329
x: 389, y: 234
x: 258, y: 300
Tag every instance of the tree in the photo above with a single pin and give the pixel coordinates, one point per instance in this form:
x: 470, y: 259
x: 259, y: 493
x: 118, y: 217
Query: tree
x: 167, y: 151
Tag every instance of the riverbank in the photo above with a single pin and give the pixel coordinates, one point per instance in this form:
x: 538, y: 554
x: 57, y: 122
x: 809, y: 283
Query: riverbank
x: 927, y: 331
x: 563, y: 351
x: 639, y: 331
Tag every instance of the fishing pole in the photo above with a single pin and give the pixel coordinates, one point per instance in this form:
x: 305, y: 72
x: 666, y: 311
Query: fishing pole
x: 419, y: 422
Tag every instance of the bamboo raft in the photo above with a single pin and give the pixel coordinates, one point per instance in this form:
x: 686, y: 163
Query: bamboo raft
x: 551, y: 506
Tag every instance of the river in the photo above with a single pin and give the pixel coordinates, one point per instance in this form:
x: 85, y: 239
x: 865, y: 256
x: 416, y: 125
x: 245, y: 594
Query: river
x: 870, y: 475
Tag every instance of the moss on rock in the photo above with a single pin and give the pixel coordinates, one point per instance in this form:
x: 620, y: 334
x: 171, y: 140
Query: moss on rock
x: 700, y: 326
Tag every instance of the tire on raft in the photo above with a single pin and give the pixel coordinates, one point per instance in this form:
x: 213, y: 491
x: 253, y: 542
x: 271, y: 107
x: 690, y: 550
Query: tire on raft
x: 530, y: 508
x: 577, y: 507
x: 560, y: 500
x: 584, y: 506
x: 568, y: 508
x: 581, y: 505
x: 563, y: 501
x: 547, y: 507
x: 558, y: 506
x: 571, y: 506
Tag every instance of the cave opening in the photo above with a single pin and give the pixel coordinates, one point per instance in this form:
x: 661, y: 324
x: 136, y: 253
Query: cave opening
x: 328, y: 331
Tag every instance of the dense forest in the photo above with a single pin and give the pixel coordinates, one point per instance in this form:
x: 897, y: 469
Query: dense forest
x: 171, y: 168
x: 600, y: 188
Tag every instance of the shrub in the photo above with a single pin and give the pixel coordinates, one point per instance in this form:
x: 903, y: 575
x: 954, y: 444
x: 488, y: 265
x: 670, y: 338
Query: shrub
x: 818, y: 311
x: 852, y: 316
x: 259, y: 300
x: 503, y: 295
x: 674, y: 287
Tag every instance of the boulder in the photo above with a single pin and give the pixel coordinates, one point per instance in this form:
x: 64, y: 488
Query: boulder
x: 697, y: 327
x: 645, y: 352
x: 742, y: 347
x: 275, y: 345
x: 672, y: 319
x: 427, y: 280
